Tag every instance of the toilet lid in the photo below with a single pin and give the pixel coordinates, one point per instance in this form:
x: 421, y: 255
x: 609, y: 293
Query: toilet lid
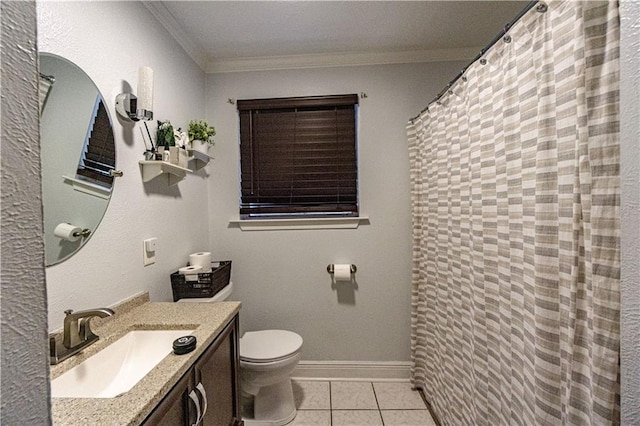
x: 269, y: 345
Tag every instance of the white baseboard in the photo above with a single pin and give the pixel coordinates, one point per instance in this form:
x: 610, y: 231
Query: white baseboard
x: 352, y: 371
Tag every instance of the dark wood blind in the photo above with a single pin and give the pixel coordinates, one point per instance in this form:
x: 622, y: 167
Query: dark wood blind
x: 99, y: 157
x: 298, y: 157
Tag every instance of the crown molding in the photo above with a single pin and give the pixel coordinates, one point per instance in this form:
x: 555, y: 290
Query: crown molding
x: 268, y: 63
x: 166, y: 19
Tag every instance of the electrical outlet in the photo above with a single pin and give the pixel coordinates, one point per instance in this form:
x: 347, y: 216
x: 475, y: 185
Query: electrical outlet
x: 149, y: 251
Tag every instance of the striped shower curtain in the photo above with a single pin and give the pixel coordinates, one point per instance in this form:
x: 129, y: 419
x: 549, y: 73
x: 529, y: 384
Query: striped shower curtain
x: 515, y: 201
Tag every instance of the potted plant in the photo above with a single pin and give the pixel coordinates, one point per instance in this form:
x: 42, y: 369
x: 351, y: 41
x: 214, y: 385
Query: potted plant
x: 201, y: 135
x: 166, y: 142
x: 165, y: 136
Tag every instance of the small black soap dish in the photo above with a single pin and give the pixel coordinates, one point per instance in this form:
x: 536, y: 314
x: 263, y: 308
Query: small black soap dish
x: 184, y: 345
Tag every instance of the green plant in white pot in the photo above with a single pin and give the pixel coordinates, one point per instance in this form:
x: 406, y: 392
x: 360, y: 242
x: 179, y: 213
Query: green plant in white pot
x: 201, y: 135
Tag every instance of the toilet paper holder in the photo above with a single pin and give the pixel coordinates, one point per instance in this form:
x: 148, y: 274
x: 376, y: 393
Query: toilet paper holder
x: 330, y: 268
x: 84, y: 233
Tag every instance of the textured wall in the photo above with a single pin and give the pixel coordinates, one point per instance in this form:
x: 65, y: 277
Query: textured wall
x: 630, y: 179
x: 23, y: 303
x: 109, y: 267
x: 280, y: 276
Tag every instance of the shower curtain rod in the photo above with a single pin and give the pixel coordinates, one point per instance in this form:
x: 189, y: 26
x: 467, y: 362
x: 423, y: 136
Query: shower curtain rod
x: 482, y: 52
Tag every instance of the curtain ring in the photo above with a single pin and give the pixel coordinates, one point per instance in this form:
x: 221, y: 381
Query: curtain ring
x: 483, y: 61
x: 507, y: 39
x: 542, y: 7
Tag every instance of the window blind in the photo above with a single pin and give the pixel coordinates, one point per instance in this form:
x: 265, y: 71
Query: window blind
x: 99, y: 156
x: 298, y: 157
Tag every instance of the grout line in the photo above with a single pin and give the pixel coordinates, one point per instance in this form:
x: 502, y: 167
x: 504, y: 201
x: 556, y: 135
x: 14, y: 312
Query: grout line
x: 379, y: 410
x: 375, y: 395
x: 330, y: 406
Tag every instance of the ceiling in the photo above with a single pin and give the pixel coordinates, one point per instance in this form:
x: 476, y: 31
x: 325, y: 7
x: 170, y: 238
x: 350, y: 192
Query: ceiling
x: 237, y: 35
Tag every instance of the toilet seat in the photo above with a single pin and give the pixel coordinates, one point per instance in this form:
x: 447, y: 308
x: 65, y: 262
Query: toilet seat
x: 269, y: 345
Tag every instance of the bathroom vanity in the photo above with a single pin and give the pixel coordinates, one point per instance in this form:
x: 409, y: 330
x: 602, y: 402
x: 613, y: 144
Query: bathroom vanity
x: 212, y: 381
x: 168, y: 393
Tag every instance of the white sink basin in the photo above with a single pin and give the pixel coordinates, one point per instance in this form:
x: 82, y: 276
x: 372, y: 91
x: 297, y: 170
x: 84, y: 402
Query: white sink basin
x: 118, y: 367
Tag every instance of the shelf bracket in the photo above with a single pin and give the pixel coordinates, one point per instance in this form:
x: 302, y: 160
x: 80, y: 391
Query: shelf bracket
x: 151, y: 169
x: 198, y: 159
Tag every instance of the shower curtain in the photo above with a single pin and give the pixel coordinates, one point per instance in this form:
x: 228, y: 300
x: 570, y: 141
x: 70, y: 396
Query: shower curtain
x: 515, y: 203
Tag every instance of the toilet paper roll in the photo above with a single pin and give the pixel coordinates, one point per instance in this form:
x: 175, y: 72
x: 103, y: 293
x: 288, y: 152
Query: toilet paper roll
x: 190, y: 272
x: 68, y: 232
x: 342, y: 272
x: 201, y: 259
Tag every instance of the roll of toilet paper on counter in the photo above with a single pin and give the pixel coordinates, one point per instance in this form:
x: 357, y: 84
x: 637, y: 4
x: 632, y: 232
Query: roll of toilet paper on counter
x: 342, y: 272
x: 68, y: 232
x: 190, y: 272
x: 201, y: 259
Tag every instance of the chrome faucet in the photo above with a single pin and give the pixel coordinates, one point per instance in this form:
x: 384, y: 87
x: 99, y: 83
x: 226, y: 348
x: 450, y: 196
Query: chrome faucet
x: 76, y: 334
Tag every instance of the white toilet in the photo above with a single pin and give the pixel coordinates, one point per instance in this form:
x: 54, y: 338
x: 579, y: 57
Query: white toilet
x: 267, y: 358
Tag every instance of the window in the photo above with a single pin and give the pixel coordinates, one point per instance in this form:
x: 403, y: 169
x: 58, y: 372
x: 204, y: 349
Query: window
x: 98, y: 155
x: 298, y: 157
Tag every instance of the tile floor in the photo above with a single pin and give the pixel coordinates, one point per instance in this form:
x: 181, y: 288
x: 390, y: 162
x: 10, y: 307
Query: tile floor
x: 343, y: 403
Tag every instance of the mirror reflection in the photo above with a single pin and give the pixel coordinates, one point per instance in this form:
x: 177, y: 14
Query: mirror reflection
x: 78, y: 156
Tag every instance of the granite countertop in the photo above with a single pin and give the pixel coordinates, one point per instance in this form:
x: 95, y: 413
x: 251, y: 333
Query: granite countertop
x: 206, y: 319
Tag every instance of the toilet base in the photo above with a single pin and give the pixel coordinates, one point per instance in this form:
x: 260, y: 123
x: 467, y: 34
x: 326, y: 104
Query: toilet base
x: 273, y: 406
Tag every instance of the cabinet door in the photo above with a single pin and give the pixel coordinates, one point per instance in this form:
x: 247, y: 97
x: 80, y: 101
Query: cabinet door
x: 217, y: 370
x: 176, y: 409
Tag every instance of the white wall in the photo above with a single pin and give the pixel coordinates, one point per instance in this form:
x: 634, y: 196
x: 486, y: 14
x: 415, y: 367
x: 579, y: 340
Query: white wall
x: 110, y: 41
x: 24, y: 377
x: 630, y: 216
x: 25, y: 373
x: 280, y: 276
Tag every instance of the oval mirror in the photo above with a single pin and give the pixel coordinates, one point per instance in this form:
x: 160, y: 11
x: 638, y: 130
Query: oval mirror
x: 77, y: 155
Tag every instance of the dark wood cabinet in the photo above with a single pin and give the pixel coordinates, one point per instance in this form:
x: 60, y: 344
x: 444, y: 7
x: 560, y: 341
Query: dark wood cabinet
x: 174, y: 408
x: 209, y: 393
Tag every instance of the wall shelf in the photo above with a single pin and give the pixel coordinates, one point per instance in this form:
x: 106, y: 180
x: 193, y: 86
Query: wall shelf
x: 198, y: 159
x: 152, y: 169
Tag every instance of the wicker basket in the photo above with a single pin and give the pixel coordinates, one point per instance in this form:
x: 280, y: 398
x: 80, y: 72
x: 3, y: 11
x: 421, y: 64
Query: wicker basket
x: 207, y: 285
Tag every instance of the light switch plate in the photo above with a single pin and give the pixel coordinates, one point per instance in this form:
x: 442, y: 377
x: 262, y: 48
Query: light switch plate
x: 149, y: 251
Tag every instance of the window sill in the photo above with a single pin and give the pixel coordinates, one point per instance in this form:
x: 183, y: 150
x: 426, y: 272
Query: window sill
x: 293, y: 224
x: 88, y: 187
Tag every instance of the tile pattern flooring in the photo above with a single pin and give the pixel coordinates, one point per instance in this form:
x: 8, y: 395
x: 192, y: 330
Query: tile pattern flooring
x: 343, y: 403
